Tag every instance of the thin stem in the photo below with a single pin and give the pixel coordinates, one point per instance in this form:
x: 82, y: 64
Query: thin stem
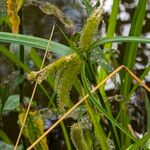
x: 21, y: 56
x: 33, y: 93
x: 85, y: 97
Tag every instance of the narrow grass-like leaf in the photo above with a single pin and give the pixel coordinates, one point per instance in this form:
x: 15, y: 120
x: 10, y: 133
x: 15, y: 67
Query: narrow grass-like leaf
x: 147, y: 106
x: 13, y: 58
x: 86, y: 86
x: 131, y: 48
x: 66, y: 136
x: 106, y: 114
x: 112, y: 22
x: 136, y: 145
x: 97, y: 127
x: 110, y: 33
x: 137, y: 84
x: 4, y: 137
x: 120, y: 39
x: 34, y: 42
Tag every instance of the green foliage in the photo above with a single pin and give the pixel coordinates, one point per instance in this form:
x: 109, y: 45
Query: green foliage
x: 34, y: 42
x: 77, y: 67
x: 88, y: 6
x: 4, y: 137
x: 131, y: 48
x: 12, y: 103
x: 66, y: 76
x: 100, y: 135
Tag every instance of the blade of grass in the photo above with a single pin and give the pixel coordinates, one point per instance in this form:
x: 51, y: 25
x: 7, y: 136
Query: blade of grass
x: 112, y: 22
x: 86, y: 86
x: 137, y: 84
x: 12, y: 57
x: 120, y: 39
x: 102, y: 73
x: 101, y: 109
x: 4, y: 137
x: 67, y: 140
x: 85, y: 98
x: 131, y: 48
x: 98, y: 128
x: 136, y: 145
x: 110, y: 33
x: 147, y: 106
x: 34, y: 42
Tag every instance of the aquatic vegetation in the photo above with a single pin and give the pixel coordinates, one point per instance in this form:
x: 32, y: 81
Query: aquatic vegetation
x: 77, y: 71
x: 66, y: 76
x: 67, y: 68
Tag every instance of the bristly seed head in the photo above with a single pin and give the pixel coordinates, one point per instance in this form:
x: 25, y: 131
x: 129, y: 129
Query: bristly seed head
x: 90, y: 28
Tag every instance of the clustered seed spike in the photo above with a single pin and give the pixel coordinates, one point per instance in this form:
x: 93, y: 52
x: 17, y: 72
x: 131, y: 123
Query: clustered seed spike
x: 77, y: 137
x: 66, y: 68
x: 90, y: 28
x: 67, y: 77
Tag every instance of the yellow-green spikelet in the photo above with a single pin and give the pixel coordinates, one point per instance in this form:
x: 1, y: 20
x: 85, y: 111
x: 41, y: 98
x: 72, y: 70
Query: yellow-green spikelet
x: 43, y: 74
x: 90, y: 28
x: 67, y: 77
x: 77, y: 137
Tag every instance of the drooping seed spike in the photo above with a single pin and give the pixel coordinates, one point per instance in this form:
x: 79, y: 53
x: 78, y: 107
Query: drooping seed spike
x: 90, y: 28
x: 77, y: 137
x: 44, y: 73
x: 67, y: 76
